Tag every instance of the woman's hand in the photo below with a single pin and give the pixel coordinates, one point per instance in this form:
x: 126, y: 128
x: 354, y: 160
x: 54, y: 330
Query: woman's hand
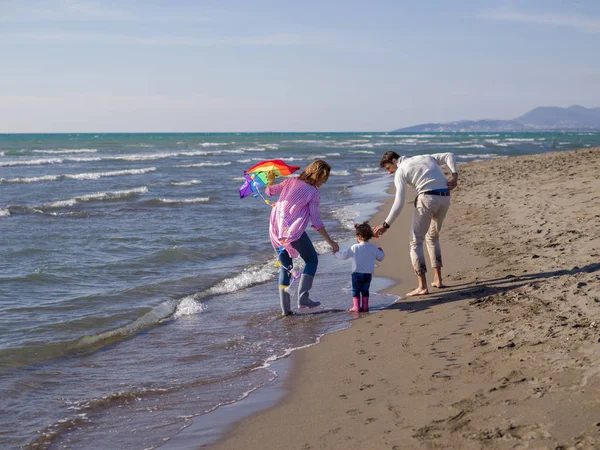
x: 334, y: 246
x: 270, y: 177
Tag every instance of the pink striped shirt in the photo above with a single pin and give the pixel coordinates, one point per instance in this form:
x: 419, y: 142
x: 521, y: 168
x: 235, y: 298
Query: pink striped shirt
x: 298, y: 201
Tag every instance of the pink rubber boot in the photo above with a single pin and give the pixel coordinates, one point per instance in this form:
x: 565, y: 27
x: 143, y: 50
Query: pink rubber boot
x: 356, y: 307
x: 365, y: 304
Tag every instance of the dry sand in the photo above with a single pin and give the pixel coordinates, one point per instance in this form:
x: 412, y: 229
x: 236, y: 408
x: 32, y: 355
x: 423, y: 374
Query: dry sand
x: 506, y: 357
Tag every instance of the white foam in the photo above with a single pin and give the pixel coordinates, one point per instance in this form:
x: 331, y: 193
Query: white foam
x: 212, y: 144
x: 185, y: 183
x: 333, y: 154
x: 478, y: 156
x: 244, y: 161
x: 340, y: 173
x: 32, y: 162
x: 366, y: 152
x: 4, y: 212
x: 78, y: 176
x: 135, y: 157
x: 115, y: 173
x: 368, y: 169
x: 188, y: 307
x: 249, y: 277
x: 73, y: 150
x: 185, y: 200
x: 346, y: 216
x: 205, y: 164
x: 99, y: 196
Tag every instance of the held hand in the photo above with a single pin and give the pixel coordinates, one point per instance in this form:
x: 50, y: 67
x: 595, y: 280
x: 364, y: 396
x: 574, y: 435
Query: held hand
x: 270, y: 177
x: 379, y: 230
x: 334, y: 246
x: 453, y: 182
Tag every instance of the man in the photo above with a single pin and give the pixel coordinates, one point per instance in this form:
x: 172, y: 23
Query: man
x: 431, y: 205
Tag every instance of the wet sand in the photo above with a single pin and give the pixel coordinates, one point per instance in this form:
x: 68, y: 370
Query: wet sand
x: 507, y: 356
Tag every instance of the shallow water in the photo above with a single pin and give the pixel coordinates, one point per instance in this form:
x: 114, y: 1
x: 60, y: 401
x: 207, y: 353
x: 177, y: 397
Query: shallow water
x: 138, y: 291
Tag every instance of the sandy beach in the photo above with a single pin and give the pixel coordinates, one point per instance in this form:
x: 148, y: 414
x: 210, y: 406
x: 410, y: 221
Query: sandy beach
x: 506, y: 357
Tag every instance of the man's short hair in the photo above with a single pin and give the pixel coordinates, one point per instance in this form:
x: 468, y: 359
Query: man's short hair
x: 388, y: 158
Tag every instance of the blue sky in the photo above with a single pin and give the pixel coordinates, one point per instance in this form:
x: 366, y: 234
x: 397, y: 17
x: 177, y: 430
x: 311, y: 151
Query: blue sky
x: 131, y: 66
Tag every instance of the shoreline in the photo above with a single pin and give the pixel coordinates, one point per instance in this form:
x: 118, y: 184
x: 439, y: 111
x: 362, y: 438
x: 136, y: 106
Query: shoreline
x: 473, y: 364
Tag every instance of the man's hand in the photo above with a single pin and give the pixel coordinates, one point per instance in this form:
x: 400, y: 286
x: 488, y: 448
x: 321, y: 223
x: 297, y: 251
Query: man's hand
x: 453, y: 182
x: 379, y: 230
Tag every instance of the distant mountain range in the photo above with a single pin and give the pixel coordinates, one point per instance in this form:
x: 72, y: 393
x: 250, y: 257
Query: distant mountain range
x: 543, y: 118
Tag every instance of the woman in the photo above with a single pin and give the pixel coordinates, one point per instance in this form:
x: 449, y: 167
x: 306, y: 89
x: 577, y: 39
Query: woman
x: 299, y: 200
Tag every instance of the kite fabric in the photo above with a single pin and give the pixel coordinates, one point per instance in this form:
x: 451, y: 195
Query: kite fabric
x: 256, y: 176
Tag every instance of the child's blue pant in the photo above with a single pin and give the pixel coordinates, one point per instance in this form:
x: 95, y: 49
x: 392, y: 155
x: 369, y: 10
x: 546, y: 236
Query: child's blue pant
x: 360, y: 284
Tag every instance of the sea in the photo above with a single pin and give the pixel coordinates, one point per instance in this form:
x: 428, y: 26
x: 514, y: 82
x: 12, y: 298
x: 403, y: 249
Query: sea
x: 138, y: 291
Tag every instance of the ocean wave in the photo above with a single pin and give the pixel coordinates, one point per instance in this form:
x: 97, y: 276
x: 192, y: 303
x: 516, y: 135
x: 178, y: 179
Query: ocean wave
x: 205, y: 164
x: 4, y: 212
x: 346, y: 216
x: 98, y: 197
x: 185, y: 183
x: 368, y: 169
x: 168, y: 201
x: 254, y: 149
x: 188, y: 307
x: 134, y: 157
x: 78, y: 176
x: 478, y: 156
x: 212, y: 144
x: 172, y: 254
x: 333, y: 154
x: 366, y: 152
x: 250, y: 276
x: 362, y: 146
x: 32, y: 162
x: 340, y: 173
x: 244, y: 161
x: 66, y: 150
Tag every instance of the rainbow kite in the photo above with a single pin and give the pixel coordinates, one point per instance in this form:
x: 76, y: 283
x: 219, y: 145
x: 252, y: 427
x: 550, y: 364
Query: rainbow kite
x: 256, y: 176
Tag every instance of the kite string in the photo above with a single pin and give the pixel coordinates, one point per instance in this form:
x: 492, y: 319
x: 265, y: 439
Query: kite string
x: 293, y: 275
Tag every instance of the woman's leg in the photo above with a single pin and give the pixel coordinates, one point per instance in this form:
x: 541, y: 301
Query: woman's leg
x: 309, y: 255
x: 284, y: 282
x: 286, y: 266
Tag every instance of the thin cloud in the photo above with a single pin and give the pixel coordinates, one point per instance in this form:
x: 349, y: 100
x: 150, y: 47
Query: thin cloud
x: 185, y: 41
x: 581, y: 23
x: 76, y: 10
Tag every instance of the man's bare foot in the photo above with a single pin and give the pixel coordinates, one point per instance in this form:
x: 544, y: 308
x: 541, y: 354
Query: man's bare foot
x: 417, y: 291
x: 438, y: 285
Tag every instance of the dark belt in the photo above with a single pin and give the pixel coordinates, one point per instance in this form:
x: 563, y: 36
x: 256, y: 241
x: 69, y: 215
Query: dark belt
x: 440, y: 193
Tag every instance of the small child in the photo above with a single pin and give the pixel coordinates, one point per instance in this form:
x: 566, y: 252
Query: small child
x: 364, y: 255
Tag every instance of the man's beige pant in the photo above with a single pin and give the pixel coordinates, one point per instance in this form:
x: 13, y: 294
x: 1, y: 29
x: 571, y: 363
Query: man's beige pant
x: 428, y: 217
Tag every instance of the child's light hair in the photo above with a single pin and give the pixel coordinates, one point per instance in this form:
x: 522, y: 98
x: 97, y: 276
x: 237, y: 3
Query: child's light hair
x: 315, y: 171
x: 364, y: 231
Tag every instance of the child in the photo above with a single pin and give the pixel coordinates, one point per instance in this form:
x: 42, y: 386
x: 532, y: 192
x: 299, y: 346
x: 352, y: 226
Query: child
x: 364, y: 255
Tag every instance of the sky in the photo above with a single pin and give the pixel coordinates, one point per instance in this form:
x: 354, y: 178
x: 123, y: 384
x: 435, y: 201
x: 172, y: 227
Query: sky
x: 285, y: 66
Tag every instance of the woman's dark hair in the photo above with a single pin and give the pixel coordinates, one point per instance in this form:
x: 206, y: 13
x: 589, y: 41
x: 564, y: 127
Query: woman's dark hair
x: 388, y: 158
x: 364, y: 231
